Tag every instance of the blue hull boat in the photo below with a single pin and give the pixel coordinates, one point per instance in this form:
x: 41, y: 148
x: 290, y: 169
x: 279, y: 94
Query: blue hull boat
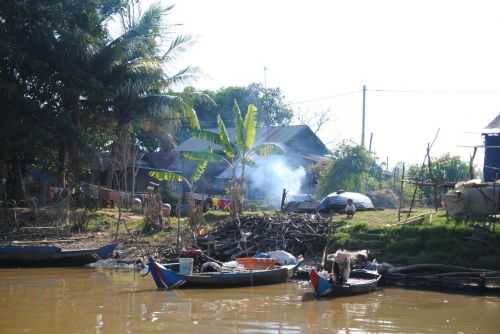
x: 361, y: 281
x: 51, y: 256
x: 165, y: 278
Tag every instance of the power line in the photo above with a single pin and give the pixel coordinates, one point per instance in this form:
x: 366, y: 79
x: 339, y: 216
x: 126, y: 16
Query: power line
x: 437, y: 91
x: 326, y: 97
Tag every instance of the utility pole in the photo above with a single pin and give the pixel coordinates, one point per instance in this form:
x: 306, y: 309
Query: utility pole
x: 371, y: 140
x: 265, y: 77
x: 363, y: 119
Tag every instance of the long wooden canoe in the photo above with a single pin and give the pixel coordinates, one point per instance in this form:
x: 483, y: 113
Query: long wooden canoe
x: 51, y: 256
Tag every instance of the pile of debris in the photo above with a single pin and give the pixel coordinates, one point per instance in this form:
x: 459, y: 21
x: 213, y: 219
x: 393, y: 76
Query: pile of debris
x: 298, y: 234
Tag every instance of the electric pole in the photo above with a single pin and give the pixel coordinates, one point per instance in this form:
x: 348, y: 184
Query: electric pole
x: 371, y: 140
x: 363, y: 118
x: 265, y: 77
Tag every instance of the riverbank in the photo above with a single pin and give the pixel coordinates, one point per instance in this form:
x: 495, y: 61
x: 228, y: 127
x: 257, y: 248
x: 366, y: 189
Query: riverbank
x: 431, y: 239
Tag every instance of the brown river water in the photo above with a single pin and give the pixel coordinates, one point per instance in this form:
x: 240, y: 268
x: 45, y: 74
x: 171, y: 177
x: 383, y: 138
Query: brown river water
x: 86, y: 300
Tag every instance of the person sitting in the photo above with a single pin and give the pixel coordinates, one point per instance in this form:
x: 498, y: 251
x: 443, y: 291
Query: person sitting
x: 350, y: 208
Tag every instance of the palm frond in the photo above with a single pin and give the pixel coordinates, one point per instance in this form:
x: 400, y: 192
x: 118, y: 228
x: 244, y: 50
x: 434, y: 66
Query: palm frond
x: 187, y: 73
x: 160, y: 104
x: 138, y: 40
x: 206, y: 97
x: 176, y: 46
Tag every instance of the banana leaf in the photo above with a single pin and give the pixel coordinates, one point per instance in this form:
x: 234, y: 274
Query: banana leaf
x: 250, y: 126
x: 269, y: 149
x: 239, y: 125
x: 166, y: 176
x: 211, y: 137
x: 192, y: 118
x: 200, y: 169
x: 202, y: 156
x: 224, y: 137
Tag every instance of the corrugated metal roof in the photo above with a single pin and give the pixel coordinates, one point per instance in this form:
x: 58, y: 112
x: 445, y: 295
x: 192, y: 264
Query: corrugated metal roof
x: 494, y: 124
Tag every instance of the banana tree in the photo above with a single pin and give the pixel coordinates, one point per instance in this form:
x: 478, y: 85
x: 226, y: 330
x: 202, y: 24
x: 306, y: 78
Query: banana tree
x: 233, y: 154
x: 194, y: 213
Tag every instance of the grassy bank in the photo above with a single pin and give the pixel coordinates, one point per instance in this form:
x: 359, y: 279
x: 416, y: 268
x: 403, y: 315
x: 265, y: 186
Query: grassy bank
x: 435, y: 240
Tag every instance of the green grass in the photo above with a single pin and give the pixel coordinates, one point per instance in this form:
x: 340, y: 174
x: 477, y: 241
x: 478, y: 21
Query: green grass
x: 435, y: 241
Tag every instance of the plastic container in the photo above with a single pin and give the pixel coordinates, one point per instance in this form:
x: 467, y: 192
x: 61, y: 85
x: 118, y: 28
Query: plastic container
x: 185, y: 266
x: 256, y: 263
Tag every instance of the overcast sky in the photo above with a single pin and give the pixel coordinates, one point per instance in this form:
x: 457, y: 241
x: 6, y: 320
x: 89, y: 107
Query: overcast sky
x: 426, y: 64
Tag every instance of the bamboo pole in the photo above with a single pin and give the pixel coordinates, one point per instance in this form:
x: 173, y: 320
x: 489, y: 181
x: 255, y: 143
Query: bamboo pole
x: 401, y: 193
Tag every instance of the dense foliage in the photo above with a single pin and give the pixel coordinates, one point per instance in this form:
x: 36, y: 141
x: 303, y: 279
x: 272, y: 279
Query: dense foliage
x: 446, y: 168
x: 352, y: 168
x: 273, y: 109
x: 69, y: 89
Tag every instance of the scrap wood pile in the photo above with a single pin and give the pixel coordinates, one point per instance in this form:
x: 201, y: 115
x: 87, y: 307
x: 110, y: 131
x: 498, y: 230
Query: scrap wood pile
x: 441, y: 276
x: 298, y: 234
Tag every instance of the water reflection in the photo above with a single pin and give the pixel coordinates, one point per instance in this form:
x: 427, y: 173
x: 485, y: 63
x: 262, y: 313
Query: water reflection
x: 93, y: 301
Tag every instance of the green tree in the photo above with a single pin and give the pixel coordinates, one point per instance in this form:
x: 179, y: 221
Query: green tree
x: 446, y: 168
x: 134, y: 69
x: 69, y: 89
x: 273, y: 109
x: 44, y: 79
x: 352, y: 168
x: 236, y: 155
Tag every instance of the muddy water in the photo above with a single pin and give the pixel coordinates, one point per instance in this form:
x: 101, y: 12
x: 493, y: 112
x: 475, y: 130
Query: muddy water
x: 93, y: 301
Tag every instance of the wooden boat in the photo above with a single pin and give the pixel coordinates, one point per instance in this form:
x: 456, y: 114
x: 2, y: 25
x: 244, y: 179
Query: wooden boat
x: 168, y: 279
x: 51, y: 256
x: 360, y: 281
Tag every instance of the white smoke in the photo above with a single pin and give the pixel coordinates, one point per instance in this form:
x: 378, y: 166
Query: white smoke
x: 271, y: 175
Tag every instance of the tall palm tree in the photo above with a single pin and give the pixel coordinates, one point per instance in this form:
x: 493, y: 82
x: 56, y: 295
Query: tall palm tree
x: 134, y: 70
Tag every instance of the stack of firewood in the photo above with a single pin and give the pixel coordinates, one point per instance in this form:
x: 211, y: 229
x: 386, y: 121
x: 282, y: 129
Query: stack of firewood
x: 298, y: 234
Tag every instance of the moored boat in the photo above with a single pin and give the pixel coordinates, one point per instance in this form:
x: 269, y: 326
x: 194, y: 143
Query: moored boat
x: 51, y: 256
x: 231, y: 274
x: 360, y: 281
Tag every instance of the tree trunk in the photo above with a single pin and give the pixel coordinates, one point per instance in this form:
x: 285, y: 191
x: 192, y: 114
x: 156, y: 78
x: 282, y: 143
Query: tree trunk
x: 242, y: 185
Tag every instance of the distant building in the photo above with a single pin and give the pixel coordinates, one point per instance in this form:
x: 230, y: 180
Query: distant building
x: 492, y: 150
x: 102, y: 172
x: 302, y: 148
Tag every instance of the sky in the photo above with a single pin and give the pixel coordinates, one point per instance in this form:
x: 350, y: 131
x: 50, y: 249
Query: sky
x: 427, y: 65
